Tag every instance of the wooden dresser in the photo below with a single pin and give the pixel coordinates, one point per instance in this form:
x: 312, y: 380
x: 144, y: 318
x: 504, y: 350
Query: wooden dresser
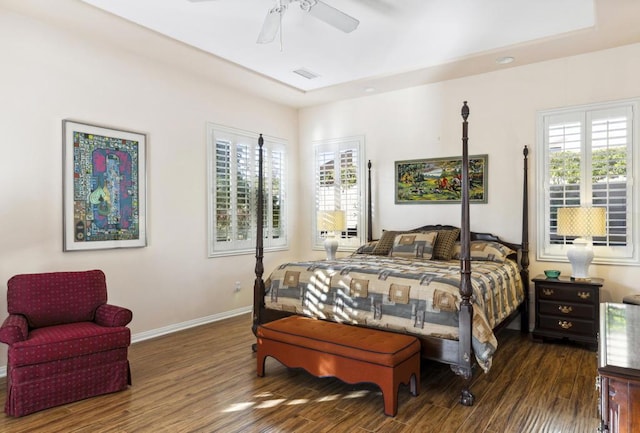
x: 619, y: 368
x: 565, y: 308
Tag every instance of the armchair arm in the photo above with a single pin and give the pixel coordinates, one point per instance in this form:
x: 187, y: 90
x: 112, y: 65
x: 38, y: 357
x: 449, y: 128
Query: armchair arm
x: 14, y: 328
x: 112, y: 315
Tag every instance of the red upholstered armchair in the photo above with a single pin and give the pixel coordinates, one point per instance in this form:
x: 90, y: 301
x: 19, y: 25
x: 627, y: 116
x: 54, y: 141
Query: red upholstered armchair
x: 65, y: 342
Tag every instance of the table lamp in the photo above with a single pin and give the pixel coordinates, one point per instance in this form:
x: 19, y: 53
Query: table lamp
x: 331, y: 222
x: 583, y: 222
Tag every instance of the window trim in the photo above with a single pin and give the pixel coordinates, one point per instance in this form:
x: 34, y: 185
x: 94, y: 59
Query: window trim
x: 335, y: 145
x: 602, y: 254
x: 214, y: 130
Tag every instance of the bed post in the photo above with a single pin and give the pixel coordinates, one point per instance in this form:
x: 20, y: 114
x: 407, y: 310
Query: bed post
x: 258, y: 286
x: 369, y: 210
x: 464, y: 367
x: 524, y: 254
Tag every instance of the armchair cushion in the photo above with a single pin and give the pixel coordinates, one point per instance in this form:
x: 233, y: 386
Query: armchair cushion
x: 56, y: 297
x: 112, y: 315
x: 71, y: 340
x: 14, y: 328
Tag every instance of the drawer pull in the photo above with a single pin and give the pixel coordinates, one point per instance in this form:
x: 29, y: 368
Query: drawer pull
x: 565, y: 309
x: 547, y: 292
x: 584, y: 295
x: 564, y: 324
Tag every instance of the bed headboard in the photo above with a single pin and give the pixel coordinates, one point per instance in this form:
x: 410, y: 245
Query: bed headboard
x: 475, y: 236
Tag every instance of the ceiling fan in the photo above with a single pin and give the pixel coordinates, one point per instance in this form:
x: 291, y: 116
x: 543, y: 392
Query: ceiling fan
x: 316, y: 8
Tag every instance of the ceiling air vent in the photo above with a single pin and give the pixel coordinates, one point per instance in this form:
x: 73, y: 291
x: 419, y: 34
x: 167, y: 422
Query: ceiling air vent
x: 306, y: 73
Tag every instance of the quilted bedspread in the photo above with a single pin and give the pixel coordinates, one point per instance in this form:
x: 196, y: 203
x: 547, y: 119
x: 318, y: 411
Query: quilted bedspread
x: 410, y: 295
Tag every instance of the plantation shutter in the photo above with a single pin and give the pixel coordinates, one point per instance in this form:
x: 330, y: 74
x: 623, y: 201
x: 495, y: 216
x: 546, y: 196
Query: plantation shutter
x: 233, y: 185
x: 223, y: 204
x: 245, y: 200
x: 610, y: 176
x: 274, y: 195
x: 339, y: 185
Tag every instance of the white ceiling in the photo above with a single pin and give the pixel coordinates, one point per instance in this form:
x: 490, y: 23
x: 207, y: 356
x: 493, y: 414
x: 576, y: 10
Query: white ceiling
x: 394, y: 36
x: 398, y: 44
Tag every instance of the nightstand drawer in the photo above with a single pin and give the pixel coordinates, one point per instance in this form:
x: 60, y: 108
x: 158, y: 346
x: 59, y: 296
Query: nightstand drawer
x: 567, y: 325
x: 583, y: 294
x: 567, y: 310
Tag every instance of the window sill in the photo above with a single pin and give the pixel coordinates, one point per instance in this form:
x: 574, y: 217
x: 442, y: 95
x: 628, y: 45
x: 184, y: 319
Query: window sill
x: 244, y: 252
x: 616, y: 261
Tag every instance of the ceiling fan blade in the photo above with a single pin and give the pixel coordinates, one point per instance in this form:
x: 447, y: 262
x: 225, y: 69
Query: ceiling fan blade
x: 334, y: 17
x: 271, y: 25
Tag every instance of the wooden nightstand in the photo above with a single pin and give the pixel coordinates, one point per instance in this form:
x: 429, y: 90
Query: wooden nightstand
x: 567, y: 308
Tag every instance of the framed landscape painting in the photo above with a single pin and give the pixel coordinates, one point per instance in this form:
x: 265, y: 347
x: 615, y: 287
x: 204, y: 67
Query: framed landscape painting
x: 438, y: 180
x: 104, y: 187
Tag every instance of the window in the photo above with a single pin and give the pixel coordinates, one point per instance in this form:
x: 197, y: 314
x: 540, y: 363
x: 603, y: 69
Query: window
x: 587, y: 159
x: 233, y: 182
x: 340, y: 185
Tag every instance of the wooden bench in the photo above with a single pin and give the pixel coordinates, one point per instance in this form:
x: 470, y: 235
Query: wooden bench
x: 349, y: 353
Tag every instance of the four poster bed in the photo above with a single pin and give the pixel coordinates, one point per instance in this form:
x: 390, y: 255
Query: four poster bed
x: 449, y: 287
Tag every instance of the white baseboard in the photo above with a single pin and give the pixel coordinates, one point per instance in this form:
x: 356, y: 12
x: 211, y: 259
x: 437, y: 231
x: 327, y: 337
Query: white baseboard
x: 147, y: 335
x: 141, y: 336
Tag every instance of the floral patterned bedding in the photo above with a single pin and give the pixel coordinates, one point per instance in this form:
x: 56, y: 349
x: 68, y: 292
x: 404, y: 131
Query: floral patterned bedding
x: 410, y: 295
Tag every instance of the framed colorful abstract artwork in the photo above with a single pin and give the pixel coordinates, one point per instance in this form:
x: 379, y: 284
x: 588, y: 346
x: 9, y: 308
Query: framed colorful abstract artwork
x: 438, y: 180
x: 104, y: 187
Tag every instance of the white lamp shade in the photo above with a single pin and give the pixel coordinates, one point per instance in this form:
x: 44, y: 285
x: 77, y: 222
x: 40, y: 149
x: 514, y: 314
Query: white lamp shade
x: 331, y: 221
x: 582, y: 221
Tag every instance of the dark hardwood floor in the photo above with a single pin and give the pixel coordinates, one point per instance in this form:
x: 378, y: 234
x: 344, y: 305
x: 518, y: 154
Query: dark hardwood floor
x: 204, y: 380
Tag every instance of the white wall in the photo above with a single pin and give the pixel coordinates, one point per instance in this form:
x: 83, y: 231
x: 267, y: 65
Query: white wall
x: 425, y: 122
x: 48, y: 73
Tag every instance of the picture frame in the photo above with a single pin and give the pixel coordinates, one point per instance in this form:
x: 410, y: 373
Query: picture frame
x: 104, y: 187
x: 437, y: 180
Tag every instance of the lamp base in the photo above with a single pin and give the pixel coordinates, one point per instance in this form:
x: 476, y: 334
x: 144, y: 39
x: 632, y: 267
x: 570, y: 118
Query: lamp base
x: 331, y: 246
x: 580, y: 257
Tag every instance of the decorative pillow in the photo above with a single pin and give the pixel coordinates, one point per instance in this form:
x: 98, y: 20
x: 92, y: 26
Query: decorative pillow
x: 414, y: 245
x: 385, y: 243
x: 366, y: 248
x: 446, y: 240
x: 485, y: 250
